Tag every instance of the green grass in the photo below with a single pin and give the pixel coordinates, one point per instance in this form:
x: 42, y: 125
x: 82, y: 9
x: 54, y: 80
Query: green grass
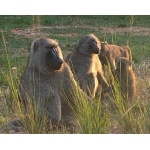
x: 10, y: 22
x: 92, y: 118
x: 70, y: 34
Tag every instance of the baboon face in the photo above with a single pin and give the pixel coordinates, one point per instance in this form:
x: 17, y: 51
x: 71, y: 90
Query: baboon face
x: 52, y: 57
x: 103, y: 49
x: 90, y: 44
x: 50, y: 51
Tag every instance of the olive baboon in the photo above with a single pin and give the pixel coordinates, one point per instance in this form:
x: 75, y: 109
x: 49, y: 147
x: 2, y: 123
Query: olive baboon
x: 85, y: 65
x: 126, y: 78
x: 48, y: 80
x: 110, y: 53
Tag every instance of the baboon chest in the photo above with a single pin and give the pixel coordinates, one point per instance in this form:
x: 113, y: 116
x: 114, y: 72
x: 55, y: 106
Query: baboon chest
x: 89, y: 83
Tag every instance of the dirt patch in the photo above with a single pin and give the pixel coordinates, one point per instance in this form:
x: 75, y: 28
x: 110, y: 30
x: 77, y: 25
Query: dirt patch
x: 133, y: 30
x: 36, y: 32
x: 43, y: 32
x: 111, y: 30
x: 28, y: 33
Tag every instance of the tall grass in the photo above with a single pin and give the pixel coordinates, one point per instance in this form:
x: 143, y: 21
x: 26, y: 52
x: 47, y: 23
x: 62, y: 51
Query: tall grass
x: 131, y: 117
x: 30, y: 118
x: 89, y: 115
x: 131, y: 20
x: 92, y: 116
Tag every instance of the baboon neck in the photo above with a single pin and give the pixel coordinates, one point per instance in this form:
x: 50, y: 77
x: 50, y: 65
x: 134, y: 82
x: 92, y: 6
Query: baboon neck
x: 89, y: 55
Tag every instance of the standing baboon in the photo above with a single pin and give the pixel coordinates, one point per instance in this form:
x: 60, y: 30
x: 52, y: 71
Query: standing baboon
x: 85, y: 65
x: 126, y: 78
x: 110, y: 53
x: 48, y: 81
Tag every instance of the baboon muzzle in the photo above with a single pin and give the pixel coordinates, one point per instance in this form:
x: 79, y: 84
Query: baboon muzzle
x: 57, y: 61
x: 59, y: 64
x: 95, y: 48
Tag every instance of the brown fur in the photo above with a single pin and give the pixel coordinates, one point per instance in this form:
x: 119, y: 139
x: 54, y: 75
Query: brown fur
x: 110, y: 53
x: 48, y: 81
x: 85, y: 65
x: 126, y: 78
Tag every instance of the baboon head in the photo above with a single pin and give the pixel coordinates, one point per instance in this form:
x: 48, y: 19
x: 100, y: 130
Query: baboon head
x: 122, y: 64
x: 46, y: 55
x: 89, y: 44
x: 103, y: 49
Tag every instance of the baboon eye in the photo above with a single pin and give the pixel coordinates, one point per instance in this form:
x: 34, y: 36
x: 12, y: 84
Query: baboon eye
x: 54, y: 49
x: 94, y: 41
x: 50, y: 46
x: 55, y: 46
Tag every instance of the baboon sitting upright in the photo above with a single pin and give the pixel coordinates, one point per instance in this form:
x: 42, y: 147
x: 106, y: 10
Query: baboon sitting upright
x: 48, y: 80
x: 110, y: 53
x: 126, y: 78
x: 85, y: 65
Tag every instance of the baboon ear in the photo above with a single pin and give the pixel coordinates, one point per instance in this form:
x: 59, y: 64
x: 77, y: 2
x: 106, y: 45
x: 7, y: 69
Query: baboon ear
x: 103, y: 45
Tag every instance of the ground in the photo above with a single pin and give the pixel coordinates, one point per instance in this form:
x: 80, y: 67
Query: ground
x: 28, y: 33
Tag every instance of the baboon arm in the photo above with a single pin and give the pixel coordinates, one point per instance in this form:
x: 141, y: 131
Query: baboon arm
x: 102, y: 81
